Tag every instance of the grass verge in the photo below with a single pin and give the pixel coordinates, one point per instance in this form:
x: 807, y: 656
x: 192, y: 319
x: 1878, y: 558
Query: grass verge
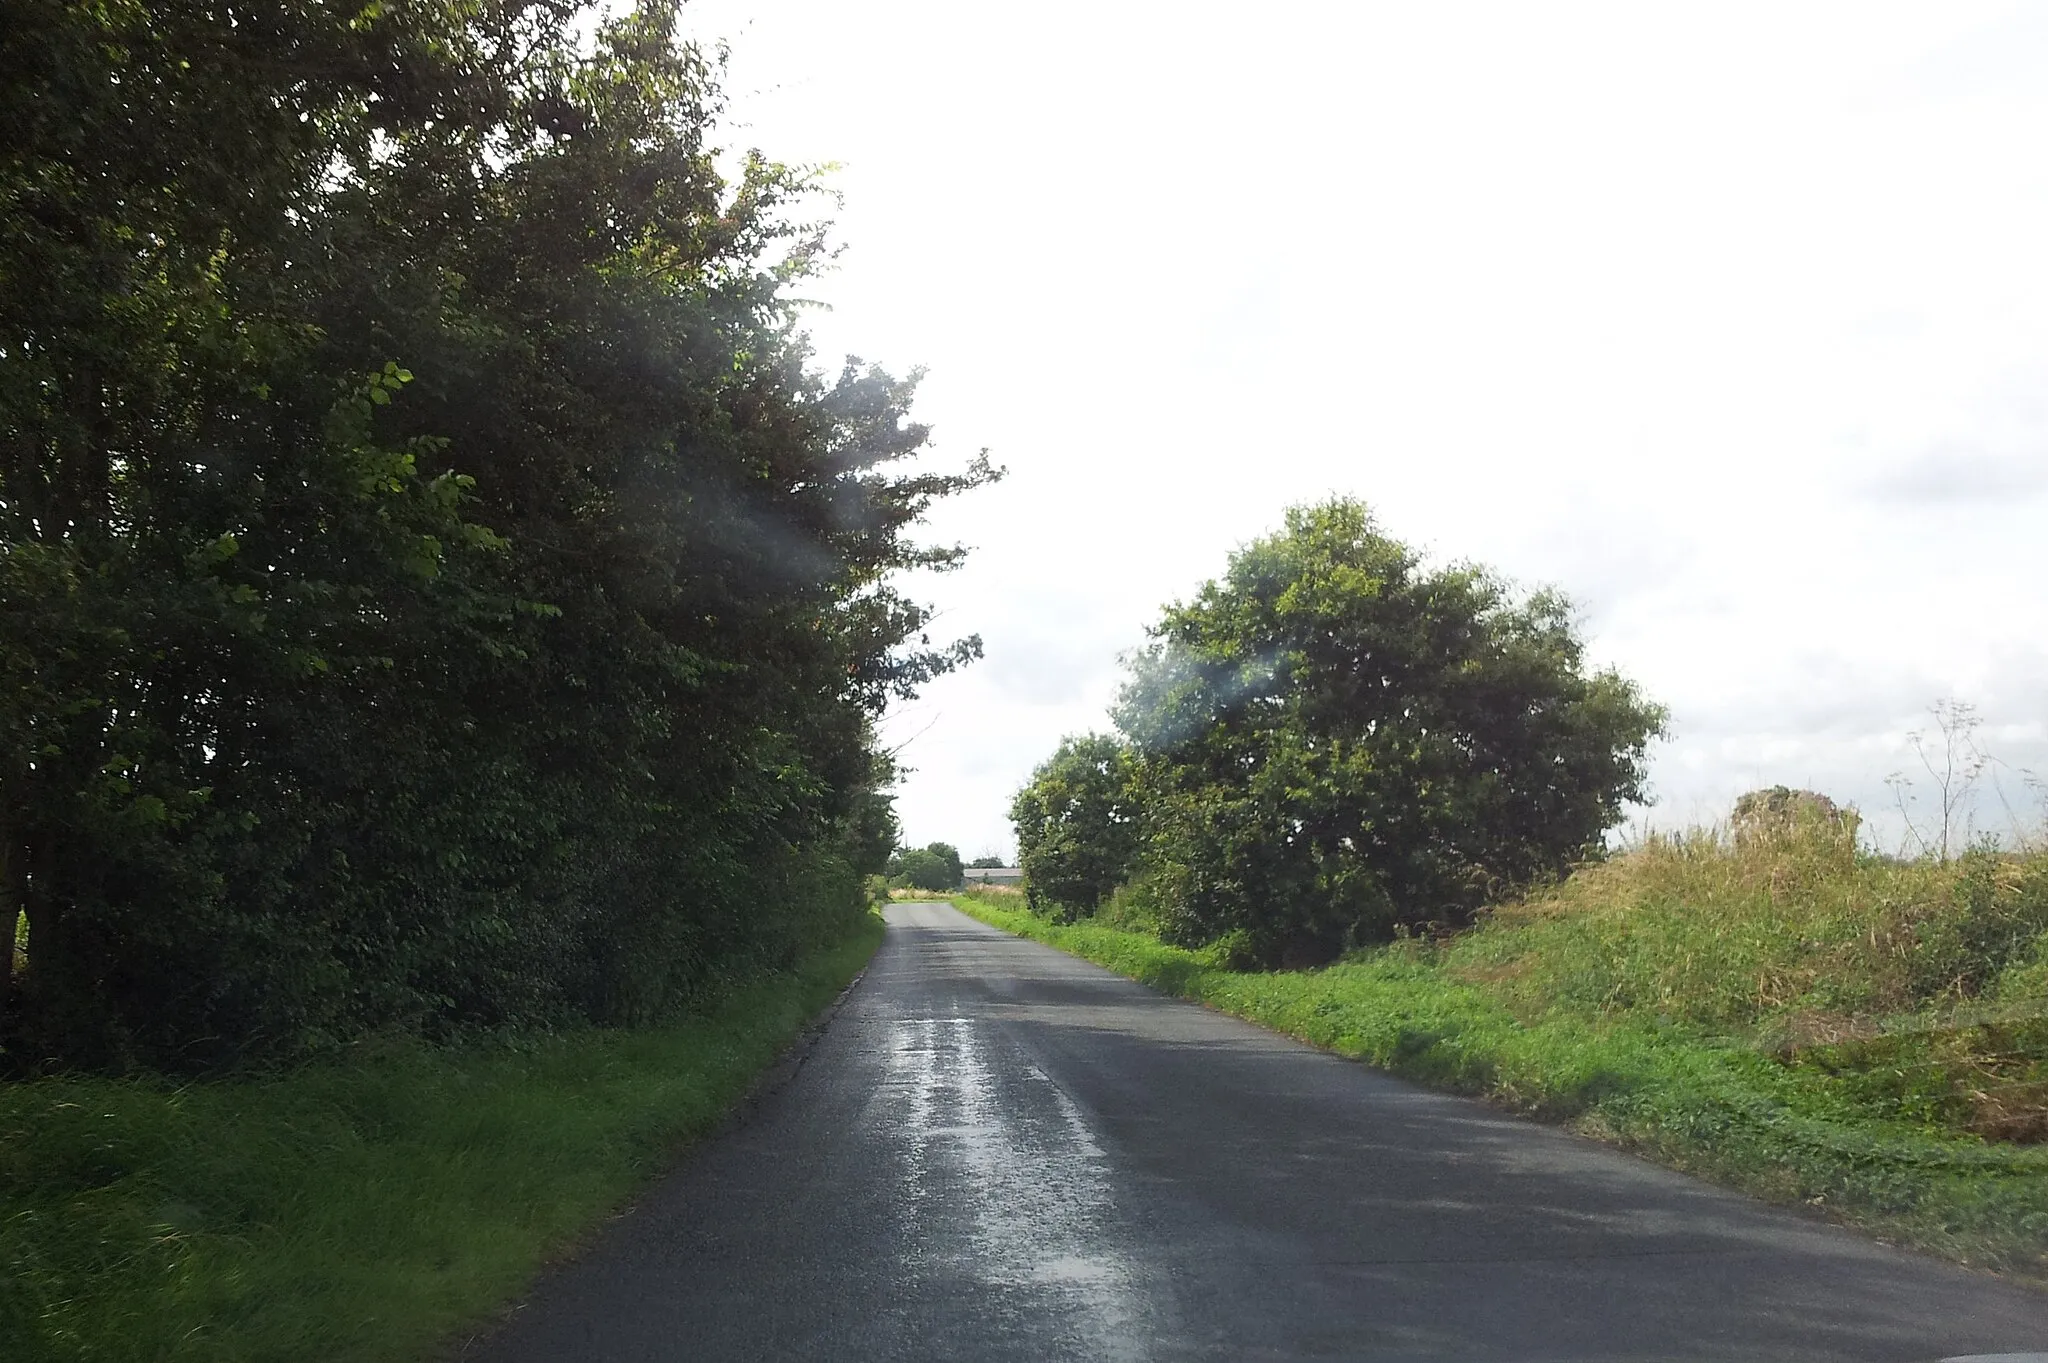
x: 357, y: 1210
x: 1717, y: 1108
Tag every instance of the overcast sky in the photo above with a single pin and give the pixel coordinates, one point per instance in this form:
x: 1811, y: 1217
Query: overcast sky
x: 1731, y: 321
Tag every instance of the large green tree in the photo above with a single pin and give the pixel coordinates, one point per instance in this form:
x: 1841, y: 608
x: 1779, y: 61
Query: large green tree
x: 437, y: 586
x: 1335, y: 739
x: 1077, y: 826
x: 935, y: 866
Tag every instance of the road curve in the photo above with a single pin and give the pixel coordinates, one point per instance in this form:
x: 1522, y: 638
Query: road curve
x: 996, y: 1151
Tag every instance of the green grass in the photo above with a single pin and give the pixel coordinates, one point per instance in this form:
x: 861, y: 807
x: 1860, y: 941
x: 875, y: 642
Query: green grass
x: 365, y: 1209
x: 1657, y: 1001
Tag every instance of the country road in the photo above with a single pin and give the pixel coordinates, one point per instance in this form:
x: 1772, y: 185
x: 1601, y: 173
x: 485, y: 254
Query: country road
x: 996, y: 1151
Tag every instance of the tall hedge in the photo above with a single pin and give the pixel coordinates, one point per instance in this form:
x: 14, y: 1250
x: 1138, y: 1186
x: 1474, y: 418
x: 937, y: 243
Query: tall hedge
x: 438, y: 588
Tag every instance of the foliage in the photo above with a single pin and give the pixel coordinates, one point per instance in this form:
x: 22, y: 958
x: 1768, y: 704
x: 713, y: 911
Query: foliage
x: 985, y: 863
x: 1077, y: 830
x: 1334, y: 741
x: 1783, y: 939
x: 359, y: 1208
x: 935, y: 867
x: 949, y: 858
x: 437, y: 589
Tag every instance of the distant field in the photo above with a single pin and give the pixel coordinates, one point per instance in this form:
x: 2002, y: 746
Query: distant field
x: 1816, y: 1025
x: 995, y: 894
x: 351, y: 1211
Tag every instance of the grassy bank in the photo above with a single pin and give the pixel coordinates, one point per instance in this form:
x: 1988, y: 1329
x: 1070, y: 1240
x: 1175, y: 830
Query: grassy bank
x: 1797, y: 1020
x: 356, y: 1210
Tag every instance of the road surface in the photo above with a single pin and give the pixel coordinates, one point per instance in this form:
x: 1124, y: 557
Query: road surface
x: 998, y: 1152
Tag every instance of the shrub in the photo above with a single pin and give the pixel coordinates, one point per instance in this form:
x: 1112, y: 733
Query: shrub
x: 933, y: 868
x: 1334, y: 741
x: 1076, y: 828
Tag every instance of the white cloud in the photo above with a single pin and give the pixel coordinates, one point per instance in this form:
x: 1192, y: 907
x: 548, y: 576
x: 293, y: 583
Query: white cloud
x: 1731, y: 321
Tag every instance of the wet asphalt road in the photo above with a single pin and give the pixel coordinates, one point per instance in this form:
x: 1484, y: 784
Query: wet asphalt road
x: 998, y: 1152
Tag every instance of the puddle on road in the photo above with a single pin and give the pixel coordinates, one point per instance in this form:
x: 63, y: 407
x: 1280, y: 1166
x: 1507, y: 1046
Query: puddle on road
x: 1009, y: 1186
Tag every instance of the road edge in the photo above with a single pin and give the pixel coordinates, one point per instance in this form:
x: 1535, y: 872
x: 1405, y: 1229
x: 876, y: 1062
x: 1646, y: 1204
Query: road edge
x: 1702, y: 1160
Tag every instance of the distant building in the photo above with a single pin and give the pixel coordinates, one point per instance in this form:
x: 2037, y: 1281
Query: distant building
x: 994, y: 875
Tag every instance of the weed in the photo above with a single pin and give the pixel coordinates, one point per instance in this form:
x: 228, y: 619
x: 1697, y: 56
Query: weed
x: 352, y: 1210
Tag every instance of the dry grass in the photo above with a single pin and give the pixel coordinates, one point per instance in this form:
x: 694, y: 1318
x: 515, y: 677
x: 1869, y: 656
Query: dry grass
x: 1736, y: 935
x: 1921, y: 984
x: 1002, y: 894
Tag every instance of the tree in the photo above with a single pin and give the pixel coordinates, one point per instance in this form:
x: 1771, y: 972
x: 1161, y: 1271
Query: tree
x: 927, y: 868
x: 1334, y: 740
x: 438, y: 589
x: 948, y: 857
x: 986, y: 862
x: 1076, y: 826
